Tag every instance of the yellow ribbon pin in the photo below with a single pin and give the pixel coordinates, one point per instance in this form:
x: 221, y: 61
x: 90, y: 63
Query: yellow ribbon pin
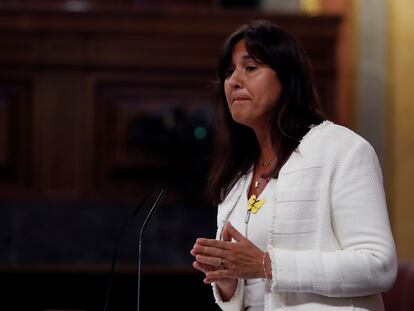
x: 254, y: 204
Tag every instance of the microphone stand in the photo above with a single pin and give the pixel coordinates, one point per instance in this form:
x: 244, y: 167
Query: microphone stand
x: 115, y: 254
x: 141, y: 232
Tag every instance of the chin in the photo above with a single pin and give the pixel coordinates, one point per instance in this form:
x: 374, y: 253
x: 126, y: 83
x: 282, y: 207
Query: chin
x: 241, y: 116
x: 242, y: 121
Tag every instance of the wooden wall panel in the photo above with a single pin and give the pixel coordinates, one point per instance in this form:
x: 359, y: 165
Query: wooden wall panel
x: 148, y: 136
x: 94, y: 73
x: 15, y: 136
x: 59, y: 101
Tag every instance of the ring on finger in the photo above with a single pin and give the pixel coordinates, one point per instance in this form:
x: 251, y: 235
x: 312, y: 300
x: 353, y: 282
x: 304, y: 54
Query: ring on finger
x: 222, y: 264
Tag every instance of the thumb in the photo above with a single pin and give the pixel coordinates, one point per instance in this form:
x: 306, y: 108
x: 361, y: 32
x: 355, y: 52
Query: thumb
x: 226, y: 235
x: 232, y: 233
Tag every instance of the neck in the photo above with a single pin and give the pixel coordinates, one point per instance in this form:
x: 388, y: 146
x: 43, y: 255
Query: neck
x: 265, y: 145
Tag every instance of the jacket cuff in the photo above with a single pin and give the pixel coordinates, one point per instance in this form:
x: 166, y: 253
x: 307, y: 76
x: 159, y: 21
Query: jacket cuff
x: 291, y: 271
x: 235, y: 303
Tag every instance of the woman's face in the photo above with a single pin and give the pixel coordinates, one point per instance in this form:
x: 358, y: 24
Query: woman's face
x: 252, y: 89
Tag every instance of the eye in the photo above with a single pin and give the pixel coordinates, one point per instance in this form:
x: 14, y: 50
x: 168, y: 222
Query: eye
x: 251, y: 68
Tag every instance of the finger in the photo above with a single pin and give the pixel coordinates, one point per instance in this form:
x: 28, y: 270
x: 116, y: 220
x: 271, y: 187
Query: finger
x: 193, y: 252
x: 204, y: 250
x: 220, y: 274
x: 209, y: 280
x: 207, y: 251
x: 225, y: 245
x: 212, y: 280
x: 207, y: 260
x: 226, y: 236
x: 231, y: 231
x: 202, y: 267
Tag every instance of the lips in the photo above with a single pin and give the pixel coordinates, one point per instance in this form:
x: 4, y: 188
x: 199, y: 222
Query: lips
x: 240, y: 98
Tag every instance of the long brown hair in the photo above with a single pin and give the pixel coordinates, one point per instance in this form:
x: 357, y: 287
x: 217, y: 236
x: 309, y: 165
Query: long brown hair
x: 236, y: 148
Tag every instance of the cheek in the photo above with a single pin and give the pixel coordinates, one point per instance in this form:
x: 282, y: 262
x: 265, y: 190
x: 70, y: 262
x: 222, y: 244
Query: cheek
x: 271, y: 94
x: 272, y: 99
x: 227, y: 92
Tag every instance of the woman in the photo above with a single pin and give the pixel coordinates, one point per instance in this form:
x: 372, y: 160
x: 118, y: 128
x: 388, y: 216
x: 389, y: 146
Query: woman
x: 302, y: 218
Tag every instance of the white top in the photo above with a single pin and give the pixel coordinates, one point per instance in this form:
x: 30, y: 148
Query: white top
x: 257, y: 231
x: 330, y: 246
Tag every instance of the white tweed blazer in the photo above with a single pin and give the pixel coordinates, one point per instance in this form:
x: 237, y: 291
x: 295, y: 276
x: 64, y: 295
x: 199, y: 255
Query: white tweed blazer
x: 330, y: 242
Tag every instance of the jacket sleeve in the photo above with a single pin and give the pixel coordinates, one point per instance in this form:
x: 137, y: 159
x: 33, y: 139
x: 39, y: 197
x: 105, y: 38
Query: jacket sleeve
x: 366, y: 261
x: 235, y: 303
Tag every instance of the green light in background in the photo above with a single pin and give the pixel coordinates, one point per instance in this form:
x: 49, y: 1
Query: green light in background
x: 200, y: 132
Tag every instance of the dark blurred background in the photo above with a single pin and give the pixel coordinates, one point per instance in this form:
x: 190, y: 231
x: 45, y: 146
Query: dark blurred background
x: 104, y: 101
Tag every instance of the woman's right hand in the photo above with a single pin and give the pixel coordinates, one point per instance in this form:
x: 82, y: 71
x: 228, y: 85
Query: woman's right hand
x: 227, y: 286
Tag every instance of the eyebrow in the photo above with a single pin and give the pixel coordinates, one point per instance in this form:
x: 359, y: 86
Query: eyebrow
x: 244, y: 57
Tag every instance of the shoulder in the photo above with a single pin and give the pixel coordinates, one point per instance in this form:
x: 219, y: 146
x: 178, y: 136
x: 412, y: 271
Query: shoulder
x: 327, y: 143
x: 329, y: 138
x: 332, y: 135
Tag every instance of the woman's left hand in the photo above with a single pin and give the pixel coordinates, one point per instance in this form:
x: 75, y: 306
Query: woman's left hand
x: 239, y: 259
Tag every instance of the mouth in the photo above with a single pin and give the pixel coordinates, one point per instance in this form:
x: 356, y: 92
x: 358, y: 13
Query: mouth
x: 240, y: 98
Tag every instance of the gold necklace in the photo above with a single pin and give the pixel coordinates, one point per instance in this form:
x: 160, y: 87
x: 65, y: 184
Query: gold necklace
x: 259, y: 180
x: 266, y: 164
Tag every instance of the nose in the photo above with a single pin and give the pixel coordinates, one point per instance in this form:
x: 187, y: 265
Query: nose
x: 235, y: 80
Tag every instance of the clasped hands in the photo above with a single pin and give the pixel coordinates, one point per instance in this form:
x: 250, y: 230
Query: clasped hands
x: 225, y: 261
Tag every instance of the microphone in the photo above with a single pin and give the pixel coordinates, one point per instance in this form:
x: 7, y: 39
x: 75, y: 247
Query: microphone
x: 141, y: 233
x: 115, y: 254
